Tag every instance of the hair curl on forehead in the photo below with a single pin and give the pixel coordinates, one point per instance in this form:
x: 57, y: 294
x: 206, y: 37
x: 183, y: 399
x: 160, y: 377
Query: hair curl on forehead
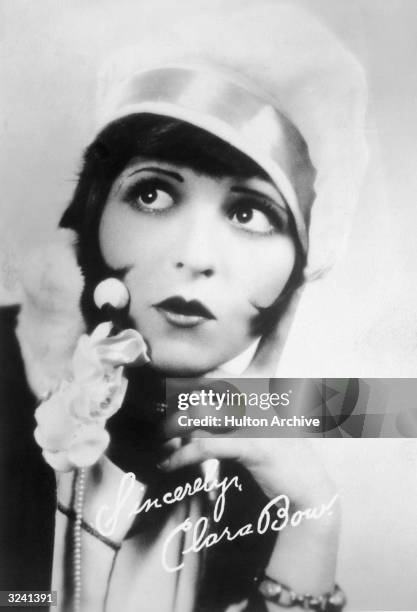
x: 163, y: 139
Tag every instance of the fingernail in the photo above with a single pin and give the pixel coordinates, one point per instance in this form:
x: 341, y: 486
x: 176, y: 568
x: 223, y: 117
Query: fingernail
x: 163, y: 465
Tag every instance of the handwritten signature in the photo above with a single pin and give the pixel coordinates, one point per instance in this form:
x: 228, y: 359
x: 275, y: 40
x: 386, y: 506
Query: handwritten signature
x: 275, y: 516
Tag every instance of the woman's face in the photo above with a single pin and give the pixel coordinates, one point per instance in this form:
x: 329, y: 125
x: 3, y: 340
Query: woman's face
x: 202, y: 255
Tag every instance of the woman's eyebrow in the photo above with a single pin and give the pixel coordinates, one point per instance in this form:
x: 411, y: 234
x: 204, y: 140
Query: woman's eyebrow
x: 173, y: 175
x: 259, y: 194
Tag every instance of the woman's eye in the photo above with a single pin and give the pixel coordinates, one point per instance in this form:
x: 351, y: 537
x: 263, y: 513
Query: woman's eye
x: 252, y: 219
x: 153, y: 198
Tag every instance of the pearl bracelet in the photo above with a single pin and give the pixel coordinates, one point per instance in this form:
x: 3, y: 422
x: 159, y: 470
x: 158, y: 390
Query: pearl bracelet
x: 284, y: 596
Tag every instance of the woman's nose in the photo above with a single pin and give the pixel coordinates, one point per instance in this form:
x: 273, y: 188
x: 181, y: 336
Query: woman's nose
x: 196, y: 251
x: 203, y: 270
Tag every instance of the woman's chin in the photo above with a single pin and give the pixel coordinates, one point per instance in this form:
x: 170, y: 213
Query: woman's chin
x: 178, y: 362
x: 180, y: 369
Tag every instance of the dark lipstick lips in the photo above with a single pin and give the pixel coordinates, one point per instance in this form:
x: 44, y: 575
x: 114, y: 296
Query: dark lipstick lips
x: 193, y: 308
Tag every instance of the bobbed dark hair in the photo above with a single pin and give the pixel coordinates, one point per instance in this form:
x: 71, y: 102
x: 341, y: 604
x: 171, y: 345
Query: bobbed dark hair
x: 163, y: 139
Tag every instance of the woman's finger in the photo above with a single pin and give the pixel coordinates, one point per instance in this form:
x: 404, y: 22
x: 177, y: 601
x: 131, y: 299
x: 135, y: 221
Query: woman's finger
x: 205, y: 446
x: 171, y: 445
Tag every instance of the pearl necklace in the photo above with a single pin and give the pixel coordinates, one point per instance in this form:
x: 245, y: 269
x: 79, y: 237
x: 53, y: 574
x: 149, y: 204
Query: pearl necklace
x: 80, y: 477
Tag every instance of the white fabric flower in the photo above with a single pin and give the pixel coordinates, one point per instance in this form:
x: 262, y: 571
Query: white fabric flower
x: 71, y: 421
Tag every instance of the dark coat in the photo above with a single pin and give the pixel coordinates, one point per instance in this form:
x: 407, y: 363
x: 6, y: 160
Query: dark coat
x: 28, y: 502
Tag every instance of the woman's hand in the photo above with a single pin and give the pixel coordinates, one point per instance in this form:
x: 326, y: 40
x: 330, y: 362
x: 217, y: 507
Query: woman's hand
x: 304, y: 556
x: 287, y: 466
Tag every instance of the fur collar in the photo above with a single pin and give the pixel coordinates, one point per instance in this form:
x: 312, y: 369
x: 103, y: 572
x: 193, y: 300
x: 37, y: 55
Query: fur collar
x: 50, y: 321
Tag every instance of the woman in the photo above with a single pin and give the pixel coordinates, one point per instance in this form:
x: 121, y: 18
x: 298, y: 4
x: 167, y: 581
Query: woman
x: 196, y: 194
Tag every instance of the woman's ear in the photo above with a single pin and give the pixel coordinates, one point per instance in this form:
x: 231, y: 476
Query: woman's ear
x: 265, y: 361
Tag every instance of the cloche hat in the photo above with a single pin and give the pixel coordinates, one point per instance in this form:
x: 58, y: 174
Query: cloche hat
x: 271, y: 80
